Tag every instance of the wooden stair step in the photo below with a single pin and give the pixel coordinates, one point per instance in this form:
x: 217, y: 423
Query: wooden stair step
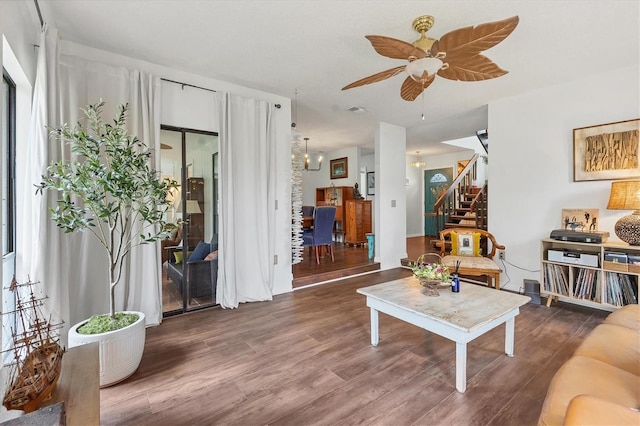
x: 461, y: 217
x: 459, y: 225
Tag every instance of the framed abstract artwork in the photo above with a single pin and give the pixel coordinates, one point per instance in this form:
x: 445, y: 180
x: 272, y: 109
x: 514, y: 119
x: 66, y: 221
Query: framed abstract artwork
x: 607, y: 151
x: 371, y: 183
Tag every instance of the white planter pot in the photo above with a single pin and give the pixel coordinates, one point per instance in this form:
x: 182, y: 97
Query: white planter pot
x: 120, y: 350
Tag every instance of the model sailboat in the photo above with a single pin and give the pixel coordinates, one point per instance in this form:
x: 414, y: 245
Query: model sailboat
x: 37, y: 352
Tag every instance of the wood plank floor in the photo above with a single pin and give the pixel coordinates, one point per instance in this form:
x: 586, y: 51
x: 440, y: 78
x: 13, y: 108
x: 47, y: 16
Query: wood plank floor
x: 349, y: 261
x: 305, y: 359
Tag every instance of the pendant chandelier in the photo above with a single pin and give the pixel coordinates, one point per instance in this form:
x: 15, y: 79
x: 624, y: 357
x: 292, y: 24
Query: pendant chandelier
x: 307, y: 160
x: 418, y: 162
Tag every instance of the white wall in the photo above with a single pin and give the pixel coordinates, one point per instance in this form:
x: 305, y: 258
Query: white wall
x: 192, y: 108
x: 415, y: 188
x: 390, y: 208
x: 531, y: 176
x: 20, y: 26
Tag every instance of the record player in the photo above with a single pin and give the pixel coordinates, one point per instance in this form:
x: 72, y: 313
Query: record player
x: 580, y: 237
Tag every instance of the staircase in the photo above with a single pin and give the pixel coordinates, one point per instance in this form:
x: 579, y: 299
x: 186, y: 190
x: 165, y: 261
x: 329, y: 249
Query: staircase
x: 462, y: 205
x: 470, y: 211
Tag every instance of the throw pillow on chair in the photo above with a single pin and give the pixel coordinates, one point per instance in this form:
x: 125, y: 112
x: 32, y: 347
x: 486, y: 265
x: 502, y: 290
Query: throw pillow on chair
x: 201, y: 251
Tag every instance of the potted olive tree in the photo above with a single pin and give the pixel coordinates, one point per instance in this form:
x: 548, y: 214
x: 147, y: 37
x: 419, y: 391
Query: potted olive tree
x: 109, y: 189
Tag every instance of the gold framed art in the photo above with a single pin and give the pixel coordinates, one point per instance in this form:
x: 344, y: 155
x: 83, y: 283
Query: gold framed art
x: 607, y: 151
x: 339, y: 168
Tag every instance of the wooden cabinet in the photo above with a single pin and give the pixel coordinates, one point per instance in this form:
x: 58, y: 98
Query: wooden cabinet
x: 580, y: 273
x: 335, y: 196
x: 358, y: 221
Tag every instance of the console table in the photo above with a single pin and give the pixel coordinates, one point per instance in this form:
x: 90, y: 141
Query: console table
x: 602, y: 285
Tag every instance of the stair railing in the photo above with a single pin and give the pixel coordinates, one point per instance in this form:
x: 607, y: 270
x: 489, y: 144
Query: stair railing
x: 450, y: 199
x: 479, y: 206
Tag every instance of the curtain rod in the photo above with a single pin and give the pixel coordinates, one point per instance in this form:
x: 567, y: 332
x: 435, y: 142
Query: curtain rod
x: 187, y: 84
x: 197, y: 87
x: 39, y: 12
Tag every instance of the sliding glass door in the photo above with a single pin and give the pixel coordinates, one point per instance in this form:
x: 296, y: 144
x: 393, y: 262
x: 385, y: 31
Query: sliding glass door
x: 189, y: 157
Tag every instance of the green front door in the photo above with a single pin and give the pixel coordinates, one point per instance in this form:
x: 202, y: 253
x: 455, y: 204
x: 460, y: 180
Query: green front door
x: 436, y: 181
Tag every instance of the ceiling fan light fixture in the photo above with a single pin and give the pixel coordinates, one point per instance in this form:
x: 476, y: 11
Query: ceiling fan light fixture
x: 417, y: 69
x: 422, y: 24
x: 424, y: 43
x: 462, y: 48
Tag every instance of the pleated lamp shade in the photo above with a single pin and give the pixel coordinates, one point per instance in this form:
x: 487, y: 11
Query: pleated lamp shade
x: 625, y: 195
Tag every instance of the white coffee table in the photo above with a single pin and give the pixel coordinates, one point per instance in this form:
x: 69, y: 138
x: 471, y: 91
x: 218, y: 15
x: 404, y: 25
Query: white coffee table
x: 460, y: 317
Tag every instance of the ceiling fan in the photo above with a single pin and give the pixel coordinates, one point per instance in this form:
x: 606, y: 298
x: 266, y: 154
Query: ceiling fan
x: 456, y: 56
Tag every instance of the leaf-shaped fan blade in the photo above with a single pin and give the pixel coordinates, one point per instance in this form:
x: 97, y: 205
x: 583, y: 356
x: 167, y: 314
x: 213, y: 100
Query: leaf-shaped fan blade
x: 471, y: 68
x: 472, y: 41
x: 411, y: 89
x: 393, y: 48
x: 383, y: 75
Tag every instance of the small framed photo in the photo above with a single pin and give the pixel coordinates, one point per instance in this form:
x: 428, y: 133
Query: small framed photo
x: 371, y: 183
x: 607, y: 151
x: 339, y: 168
x: 580, y: 220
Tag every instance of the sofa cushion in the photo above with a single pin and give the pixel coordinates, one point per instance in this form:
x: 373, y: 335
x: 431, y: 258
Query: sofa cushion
x: 212, y: 255
x: 627, y: 316
x: 589, y: 410
x: 177, y: 255
x: 616, y: 345
x: 201, y: 251
x: 581, y: 375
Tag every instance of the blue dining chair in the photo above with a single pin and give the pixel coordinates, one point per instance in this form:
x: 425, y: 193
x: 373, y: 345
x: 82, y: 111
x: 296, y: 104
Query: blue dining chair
x: 322, y: 232
x: 307, y: 211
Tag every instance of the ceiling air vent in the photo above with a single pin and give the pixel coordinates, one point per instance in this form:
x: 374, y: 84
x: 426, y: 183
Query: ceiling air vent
x: 358, y: 110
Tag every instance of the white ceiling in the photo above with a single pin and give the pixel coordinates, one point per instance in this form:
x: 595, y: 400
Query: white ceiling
x: 318, y: 47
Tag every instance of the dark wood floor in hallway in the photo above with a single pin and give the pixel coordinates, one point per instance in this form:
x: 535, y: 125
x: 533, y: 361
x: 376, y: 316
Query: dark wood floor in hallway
x: 305, y: 359
x: 349, y: 260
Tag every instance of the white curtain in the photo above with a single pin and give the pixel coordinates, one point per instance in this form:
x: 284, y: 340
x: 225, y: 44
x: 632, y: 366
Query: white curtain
x: 40, y: 253
x: 74, y: 266
x: 81, y: 83
x: 247, y: 200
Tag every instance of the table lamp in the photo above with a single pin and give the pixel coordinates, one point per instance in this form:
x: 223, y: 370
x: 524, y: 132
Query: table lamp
x: 192, y: 207
x: 625, y: 195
